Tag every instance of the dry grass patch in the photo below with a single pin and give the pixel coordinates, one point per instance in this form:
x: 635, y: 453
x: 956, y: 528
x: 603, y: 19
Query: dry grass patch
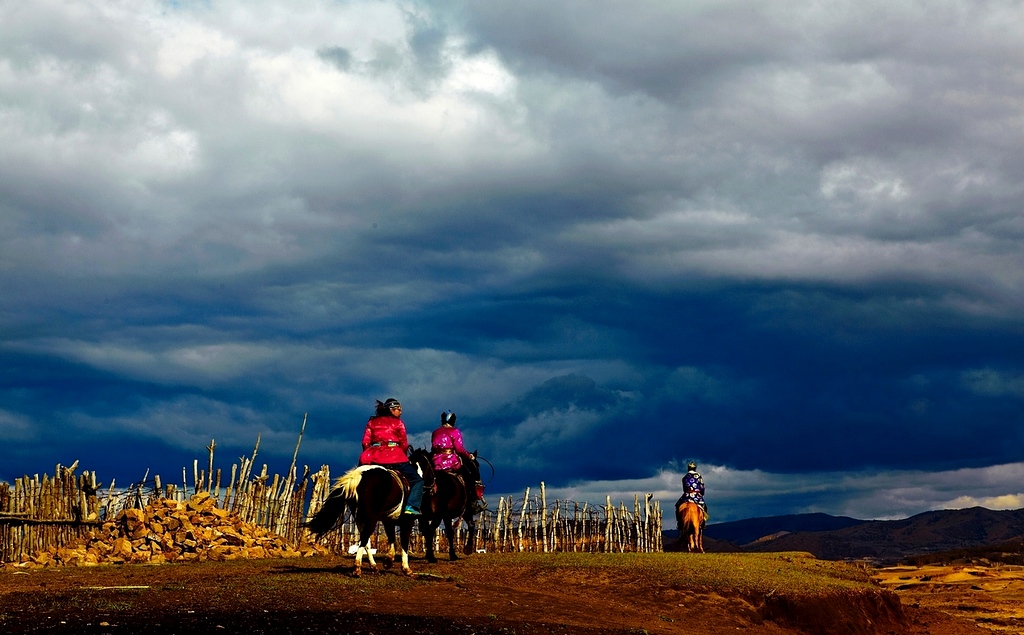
x: 790, y: 573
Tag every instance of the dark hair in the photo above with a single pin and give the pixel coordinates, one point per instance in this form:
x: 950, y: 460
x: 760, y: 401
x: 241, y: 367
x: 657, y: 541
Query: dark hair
x: 384, y: 407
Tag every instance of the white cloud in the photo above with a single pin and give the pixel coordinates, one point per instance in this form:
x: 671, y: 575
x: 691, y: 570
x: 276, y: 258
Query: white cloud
x: 867, y: 185
x: 988, y: 381
x: 199, y: 365
x: 15, y: 427
x: 1005, y: 501
x: 185, y: 44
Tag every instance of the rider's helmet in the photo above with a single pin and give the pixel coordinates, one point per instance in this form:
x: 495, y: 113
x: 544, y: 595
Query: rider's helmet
x: 391, y: 402
x: 691, y: 466
x: 448, y: 418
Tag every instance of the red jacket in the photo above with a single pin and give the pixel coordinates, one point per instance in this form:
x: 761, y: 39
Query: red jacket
x: 384, y: 441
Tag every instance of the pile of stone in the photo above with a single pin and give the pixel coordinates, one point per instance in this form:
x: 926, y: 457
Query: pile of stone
x: 172, y: 531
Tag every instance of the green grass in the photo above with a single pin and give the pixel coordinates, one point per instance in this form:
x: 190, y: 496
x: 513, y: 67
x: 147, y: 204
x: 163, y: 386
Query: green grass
x: 746, y: 572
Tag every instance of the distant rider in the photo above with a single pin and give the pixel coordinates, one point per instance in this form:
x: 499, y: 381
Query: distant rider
x: 693, y: 490
x: 447, y: 450
x: 385, y: 443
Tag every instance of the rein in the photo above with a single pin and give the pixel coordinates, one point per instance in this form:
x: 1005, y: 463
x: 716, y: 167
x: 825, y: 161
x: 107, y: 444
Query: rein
x: 480, y: 458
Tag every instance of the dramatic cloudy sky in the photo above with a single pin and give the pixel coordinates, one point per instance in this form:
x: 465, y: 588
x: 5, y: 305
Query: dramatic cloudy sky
x: 782, y: 239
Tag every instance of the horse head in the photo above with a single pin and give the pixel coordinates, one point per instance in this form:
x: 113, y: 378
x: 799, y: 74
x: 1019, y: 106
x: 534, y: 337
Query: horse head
x: 421, y: 459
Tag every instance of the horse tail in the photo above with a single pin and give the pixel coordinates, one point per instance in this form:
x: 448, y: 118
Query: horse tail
x: 342, y: 496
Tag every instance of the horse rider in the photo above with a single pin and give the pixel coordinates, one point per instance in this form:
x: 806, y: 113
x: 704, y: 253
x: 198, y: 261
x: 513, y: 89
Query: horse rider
x: 693, y: 490
x: 385, y: 443
x: 447, y: 450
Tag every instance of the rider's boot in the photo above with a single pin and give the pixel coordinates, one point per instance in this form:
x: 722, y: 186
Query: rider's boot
x: 479, y: 504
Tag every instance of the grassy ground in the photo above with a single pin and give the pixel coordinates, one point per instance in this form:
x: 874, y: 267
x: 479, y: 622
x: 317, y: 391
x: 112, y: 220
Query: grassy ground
x: 748, y: 573
x: 761, y: 594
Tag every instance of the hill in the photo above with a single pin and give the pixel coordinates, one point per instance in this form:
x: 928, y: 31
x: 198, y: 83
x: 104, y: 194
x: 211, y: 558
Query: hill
x: 742, y: 532
x: 838, y: 538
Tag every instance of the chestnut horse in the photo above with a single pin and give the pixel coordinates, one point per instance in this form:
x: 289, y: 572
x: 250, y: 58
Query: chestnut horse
x: 373, y: 494
x: 446, y: 499
x: 689, y: 516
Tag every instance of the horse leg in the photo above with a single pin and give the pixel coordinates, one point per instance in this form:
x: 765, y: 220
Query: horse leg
x: 430, y: 539
x: 449, y: 533
x: 389, y: 556
x: 429, y: 531
x: 405, y: 535
x: 364, y: 540
x: 680, y: 530
x: 471, y: 533
x: 358, y: 571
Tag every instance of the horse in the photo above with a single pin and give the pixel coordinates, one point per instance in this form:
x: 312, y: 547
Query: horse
x: 689, y: 516
x: 374, y: 494
x: 446, y: 498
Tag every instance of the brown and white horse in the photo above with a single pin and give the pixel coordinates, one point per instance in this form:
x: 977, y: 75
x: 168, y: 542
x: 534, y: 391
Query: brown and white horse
x: 374, y: 494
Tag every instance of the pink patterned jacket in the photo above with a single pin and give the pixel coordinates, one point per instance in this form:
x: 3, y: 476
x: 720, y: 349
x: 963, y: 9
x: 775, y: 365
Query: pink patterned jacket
x: 446, y: 446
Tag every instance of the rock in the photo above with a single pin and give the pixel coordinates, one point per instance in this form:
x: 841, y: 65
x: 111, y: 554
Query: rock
x: 170, y: 531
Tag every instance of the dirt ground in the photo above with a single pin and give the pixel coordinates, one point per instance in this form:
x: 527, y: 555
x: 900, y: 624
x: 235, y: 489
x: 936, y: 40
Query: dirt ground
x: 319, y: 595
x: 991, y: 596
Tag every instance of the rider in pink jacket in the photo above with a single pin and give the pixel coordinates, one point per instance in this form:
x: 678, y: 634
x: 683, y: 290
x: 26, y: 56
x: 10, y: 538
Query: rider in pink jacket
x: 448, y: 451
x: 446, y: 444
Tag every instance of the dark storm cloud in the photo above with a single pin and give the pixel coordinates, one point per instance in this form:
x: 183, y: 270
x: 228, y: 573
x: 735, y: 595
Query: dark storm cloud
x: 656, y: 49
x: 781, y: 240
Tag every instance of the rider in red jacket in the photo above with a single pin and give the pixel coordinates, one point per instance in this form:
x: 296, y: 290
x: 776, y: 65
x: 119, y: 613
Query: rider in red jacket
x: 385, y: 443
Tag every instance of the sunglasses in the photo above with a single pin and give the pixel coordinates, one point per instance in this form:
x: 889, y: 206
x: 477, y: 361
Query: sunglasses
x: 396, y: 406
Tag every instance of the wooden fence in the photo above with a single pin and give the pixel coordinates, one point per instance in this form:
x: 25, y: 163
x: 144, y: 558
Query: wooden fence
x: 532, y: 524
x: 38, y: 513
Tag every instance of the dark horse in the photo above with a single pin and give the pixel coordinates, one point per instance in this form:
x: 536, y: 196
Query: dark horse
x: 689, y: 516
x: 374, y: 494
x: 446, y: 498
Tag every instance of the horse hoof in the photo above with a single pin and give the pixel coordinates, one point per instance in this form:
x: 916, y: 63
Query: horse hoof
x: 432, y: 560
x: 357, y: 574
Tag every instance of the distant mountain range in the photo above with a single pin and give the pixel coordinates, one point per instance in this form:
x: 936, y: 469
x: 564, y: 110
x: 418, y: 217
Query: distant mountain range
x: 838, y: 537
